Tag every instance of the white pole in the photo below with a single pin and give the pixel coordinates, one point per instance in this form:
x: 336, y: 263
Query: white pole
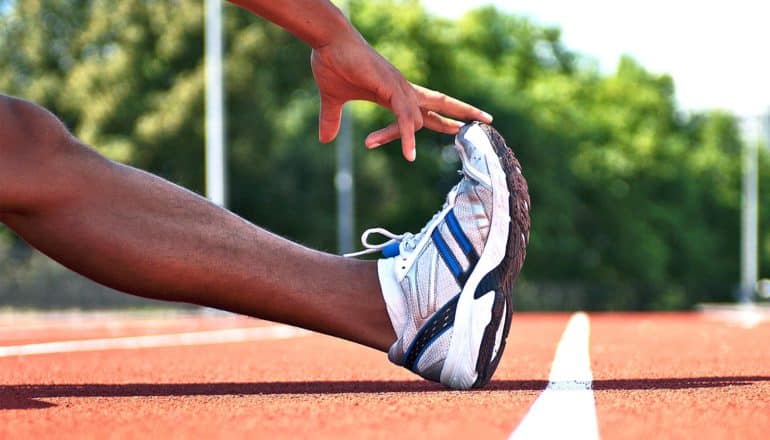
x: 344, y: 184
x: 343, y: 179
x: 216, y: 176
x: 749, y: 216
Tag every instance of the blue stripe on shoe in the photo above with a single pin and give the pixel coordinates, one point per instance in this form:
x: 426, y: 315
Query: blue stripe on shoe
x: 462, y: 239
x: 446, y: 254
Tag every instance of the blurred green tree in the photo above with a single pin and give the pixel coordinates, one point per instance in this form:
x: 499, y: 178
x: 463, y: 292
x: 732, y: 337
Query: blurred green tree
x: 636, y: 204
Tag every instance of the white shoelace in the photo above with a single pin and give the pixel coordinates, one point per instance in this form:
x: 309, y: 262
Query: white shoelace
x: 371, y: 248
x: 408, y: 241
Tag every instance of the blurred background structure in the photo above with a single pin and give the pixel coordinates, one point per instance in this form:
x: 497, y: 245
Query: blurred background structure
x: 637, y: 193
x: 216, y: 154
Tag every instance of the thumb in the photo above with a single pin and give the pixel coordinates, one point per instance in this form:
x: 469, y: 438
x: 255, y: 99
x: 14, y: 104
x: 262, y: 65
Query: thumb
x: 329, y: 119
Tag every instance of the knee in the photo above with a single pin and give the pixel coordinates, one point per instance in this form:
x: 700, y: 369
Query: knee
x: 30, y: 136
x: 26, y: 129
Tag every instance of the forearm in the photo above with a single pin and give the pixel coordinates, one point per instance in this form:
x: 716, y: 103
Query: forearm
x: 316, y: 22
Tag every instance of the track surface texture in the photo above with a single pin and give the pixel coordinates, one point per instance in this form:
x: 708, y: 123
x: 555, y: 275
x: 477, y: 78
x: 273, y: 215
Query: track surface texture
x: 654, y: 376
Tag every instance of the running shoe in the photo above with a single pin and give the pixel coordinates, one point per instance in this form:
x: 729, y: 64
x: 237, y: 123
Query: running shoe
x: 448, y: 287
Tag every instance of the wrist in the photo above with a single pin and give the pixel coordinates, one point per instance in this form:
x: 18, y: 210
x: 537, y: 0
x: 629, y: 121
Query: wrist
x: 337, y: 29
x: 316, y: 22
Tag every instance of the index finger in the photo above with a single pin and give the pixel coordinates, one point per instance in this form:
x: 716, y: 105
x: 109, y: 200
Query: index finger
x: 446, y: 105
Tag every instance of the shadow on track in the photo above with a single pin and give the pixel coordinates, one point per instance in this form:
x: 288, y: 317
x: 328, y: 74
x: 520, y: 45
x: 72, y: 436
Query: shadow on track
x: 18, y: 402
x: 24, y: 396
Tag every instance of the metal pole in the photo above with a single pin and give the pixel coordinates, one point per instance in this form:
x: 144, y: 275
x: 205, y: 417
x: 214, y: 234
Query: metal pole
x: 216, y: 173
x: 343, y: 179
x: 749, y: 215
x: 344, y: 184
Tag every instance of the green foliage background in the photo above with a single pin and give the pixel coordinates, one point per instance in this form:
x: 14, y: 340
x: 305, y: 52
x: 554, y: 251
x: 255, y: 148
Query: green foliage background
x: 635, y: 203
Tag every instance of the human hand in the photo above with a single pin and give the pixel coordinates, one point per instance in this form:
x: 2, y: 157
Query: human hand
x: 347, y: 69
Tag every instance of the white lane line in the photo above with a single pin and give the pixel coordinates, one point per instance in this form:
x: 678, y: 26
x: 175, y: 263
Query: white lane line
x: 224, y: 336
x: 566, y: 408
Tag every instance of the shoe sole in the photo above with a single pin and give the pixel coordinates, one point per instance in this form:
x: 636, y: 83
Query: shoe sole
x: 484, y: 309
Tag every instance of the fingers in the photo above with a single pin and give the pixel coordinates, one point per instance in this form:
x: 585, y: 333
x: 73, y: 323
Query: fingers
x: 404, y: 129
x: 429, y: 104
x: 400, y: 129
x: 383, y: 136
x: 329, y: 119
x: 431, y: 120
x: 446, y: 105
x: 408, y: 119
x: 436, y: 122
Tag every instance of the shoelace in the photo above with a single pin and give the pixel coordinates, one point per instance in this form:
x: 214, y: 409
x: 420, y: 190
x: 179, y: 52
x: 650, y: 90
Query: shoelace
x: 407, y: 241
x: 371, y: 248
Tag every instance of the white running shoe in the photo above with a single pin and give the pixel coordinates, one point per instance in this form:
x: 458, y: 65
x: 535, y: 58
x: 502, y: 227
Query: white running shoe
x: 448, y: 287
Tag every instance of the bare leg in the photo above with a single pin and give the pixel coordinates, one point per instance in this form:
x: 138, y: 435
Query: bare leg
x: 140, y: 234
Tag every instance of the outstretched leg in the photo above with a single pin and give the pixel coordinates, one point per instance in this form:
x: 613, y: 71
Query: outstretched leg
x: 138, y: 233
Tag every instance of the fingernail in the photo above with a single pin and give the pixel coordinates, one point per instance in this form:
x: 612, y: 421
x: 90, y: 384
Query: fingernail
x: 487, y: 116
x: 374, y: 145
x: 412, y: 156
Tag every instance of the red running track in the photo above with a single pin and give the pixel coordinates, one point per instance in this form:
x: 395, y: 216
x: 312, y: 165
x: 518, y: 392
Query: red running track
x: 655, y: 375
